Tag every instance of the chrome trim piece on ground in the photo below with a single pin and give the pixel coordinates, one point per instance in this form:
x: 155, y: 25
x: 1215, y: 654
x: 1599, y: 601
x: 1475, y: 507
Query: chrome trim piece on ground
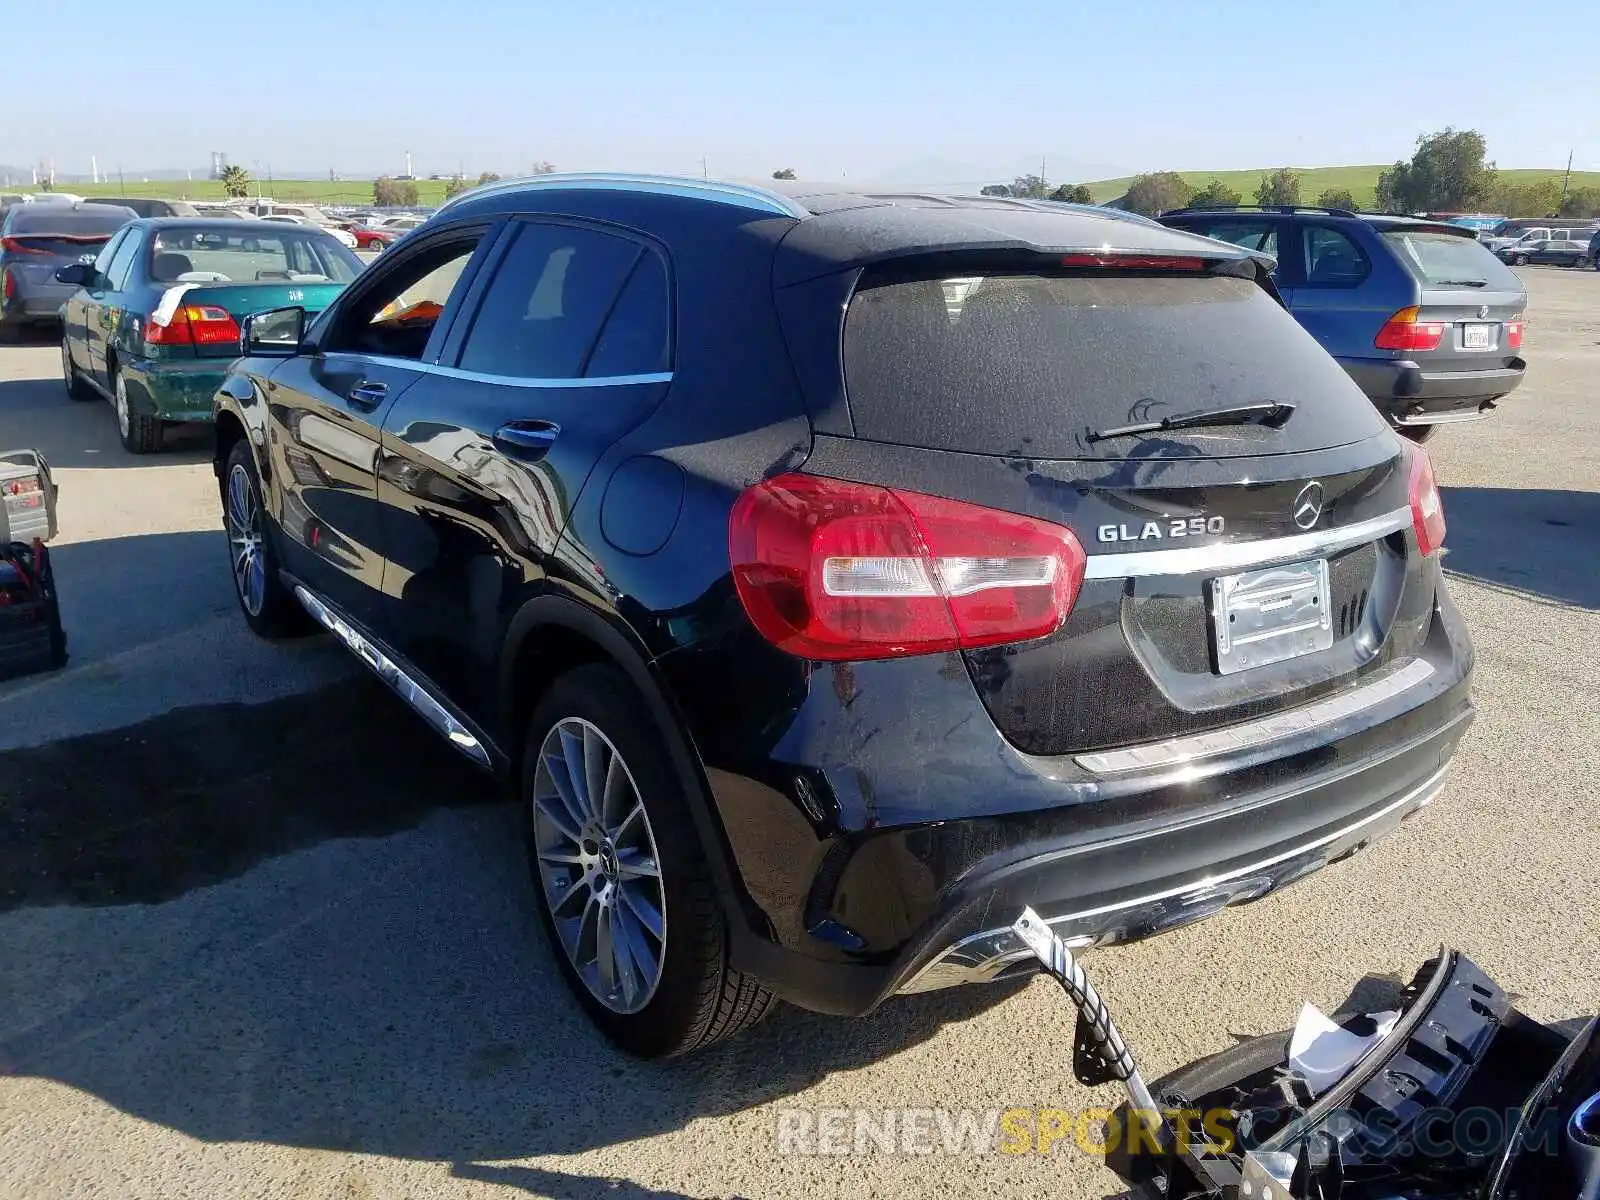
x: 992, y: 954
x: 407, y: 688
x: 1260, y: 732
x: 1237, y: 556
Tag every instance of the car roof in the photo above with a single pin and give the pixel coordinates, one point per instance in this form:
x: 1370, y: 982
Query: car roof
x: 1380, y: 221
x: 836, y: 226
x: 251, y: 225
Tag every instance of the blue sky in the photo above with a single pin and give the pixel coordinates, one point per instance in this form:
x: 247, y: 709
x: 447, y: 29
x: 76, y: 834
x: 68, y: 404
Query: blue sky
x: 932, y: 91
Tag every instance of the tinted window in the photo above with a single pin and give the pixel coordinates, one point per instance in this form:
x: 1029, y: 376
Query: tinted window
x: 1252, y: 235
x: 1332, y: 259
x: 87, y: 220
x: 121, y: 265
x: 636, y: 338
x: 549, y: 297
x: 1444, y: 258
x: 1028, y: 365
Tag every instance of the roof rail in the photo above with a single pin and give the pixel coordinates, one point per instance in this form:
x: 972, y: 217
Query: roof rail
x: 1283, y: 208
x: 742, y: 195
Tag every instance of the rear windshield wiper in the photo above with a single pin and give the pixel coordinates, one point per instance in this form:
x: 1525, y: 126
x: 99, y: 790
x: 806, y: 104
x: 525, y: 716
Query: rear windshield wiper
x: 1271, y: 414
x: 1460, y: 283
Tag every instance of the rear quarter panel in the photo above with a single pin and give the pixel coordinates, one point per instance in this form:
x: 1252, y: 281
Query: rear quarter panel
x: 1346, y: 319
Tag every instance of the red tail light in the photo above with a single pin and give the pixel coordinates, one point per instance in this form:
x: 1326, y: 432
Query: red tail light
x: 193, y: 325
x: 833, y: 570
x: 1514, y: 334
x: 1404, y: 332
x: 1135, y: 262
x: 18, y: 246
x: 1427, y: 509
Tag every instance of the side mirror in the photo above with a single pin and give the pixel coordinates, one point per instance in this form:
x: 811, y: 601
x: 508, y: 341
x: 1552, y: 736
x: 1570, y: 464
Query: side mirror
x: 79, y: 274
x: 275, y: 333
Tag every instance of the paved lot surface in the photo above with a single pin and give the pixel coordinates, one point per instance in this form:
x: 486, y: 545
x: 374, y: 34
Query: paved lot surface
x: 276, y: 947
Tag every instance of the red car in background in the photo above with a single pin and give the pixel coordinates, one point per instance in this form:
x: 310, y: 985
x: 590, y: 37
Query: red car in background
x: 380, y: 234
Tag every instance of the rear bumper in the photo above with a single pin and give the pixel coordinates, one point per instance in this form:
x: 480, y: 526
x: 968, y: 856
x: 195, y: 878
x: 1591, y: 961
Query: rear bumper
x: 1409, y: 394
x: 174, y: 390
x: 1109, y: 847
x: 34, y: 306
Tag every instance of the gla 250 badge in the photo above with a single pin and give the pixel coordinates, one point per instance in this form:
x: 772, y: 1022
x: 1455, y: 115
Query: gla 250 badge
x: 1190, y: 527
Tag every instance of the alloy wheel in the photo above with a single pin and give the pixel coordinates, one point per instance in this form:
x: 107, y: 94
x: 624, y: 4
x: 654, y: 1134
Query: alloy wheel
x: 598, y: 865
x: 243, y: 518
x: 121, y: 405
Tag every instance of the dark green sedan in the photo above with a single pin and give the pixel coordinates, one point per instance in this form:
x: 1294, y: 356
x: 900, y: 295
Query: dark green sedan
x: 155, y: 320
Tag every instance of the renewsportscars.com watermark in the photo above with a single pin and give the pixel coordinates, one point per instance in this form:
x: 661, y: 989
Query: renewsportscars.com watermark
x: 1435, y: 1133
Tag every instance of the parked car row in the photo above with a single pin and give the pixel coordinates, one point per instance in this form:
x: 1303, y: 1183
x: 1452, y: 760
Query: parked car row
x: 828, y: 595
x: 1576, y: 248
x: 1425, y: 320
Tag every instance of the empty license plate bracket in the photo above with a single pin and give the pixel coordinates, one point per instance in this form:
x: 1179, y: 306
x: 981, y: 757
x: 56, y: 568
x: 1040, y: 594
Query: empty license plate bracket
x: 1268, y: 615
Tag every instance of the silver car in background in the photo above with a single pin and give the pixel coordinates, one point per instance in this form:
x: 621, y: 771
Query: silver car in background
x: 36, y: 240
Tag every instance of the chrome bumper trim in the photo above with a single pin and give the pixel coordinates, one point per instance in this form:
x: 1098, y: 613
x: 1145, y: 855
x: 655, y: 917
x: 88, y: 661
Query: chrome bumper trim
x: 1264, y: 730
x: 1237, y: 556
x: 404, y: 685
x: 987, y: 956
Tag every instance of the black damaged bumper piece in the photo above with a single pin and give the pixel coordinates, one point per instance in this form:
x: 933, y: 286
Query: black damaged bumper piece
x: 1465, y: 1097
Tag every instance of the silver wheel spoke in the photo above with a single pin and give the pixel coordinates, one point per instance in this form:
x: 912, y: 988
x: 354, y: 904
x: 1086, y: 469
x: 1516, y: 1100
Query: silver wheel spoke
x: 555, y: 810
x: 596, y: 762
x: 555, y: 769
x: 632, y: 864
x: 572, y: 755
x: 643, y: 909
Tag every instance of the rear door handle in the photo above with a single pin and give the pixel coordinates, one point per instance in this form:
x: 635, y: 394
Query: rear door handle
x: 368, y: 395
x: 530, y: 440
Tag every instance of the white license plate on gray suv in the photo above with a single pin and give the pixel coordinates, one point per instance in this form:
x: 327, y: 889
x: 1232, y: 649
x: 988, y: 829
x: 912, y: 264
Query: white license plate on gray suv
x: 1266, y: 616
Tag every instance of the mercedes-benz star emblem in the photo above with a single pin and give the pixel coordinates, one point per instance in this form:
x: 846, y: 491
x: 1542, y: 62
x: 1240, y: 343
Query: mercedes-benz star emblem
x: 1307, y: 508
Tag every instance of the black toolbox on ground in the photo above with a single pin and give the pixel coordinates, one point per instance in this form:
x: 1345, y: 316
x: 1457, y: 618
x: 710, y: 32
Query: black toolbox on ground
x: 31, y: 637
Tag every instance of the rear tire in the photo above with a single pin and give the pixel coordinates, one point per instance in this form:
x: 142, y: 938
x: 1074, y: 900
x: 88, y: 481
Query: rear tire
x: 269, y: 607
x: 76, y: 388
x: 1520, y: 260
x: 679, y: 995
x: 140, y: 432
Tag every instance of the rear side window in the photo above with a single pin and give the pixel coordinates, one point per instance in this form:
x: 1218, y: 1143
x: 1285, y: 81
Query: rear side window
x: 1446, y: 260
x: 1252, y: 235
x: 1332, y: 259
x: 543, y: 312
x: 637, y: 336
x: 1029, y: 365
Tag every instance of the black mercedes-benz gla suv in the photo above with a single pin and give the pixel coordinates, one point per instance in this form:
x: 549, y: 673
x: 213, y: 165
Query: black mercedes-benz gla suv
x: 832, y: 573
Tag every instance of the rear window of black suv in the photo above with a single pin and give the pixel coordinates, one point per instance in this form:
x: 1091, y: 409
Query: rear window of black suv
x: 1031, y: 364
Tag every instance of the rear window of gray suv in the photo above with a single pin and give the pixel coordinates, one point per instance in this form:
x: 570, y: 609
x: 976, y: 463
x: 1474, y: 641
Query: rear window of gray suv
x: 1445, y: 259
x: 1030, y: 364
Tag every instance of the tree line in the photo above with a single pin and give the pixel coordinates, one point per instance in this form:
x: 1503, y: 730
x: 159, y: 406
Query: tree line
x: 1447, y: 173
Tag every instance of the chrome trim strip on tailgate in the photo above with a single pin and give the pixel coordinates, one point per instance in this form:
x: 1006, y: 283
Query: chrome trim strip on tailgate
x: 1249, y: 734
x: 1237, y: 556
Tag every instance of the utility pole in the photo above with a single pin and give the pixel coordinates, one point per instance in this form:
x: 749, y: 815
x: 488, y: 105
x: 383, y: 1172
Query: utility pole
x: 1565, y: 180
x: 121, y: 186
x: 1044, y: 188
x: 704, y: 169
x: 94, y: 168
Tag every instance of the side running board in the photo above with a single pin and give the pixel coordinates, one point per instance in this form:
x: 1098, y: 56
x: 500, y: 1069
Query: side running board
x: 415, y: 693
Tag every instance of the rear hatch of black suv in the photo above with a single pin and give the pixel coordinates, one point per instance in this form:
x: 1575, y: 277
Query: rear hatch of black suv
x: 1254, y: 555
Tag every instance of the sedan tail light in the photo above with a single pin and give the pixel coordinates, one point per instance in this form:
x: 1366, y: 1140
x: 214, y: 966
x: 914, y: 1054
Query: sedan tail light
x: 1427, y: 508
x: 828, y: 569
x: 1404, y: 332
x: 1514, y: 334
x: 192, y: 325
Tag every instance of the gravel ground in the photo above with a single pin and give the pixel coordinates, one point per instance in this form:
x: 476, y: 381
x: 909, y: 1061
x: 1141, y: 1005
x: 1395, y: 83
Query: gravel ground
x: 232, y: 973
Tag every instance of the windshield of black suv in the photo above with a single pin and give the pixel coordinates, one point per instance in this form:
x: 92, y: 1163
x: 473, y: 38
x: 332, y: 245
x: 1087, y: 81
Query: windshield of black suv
x: 1447, y: 258
x: 1032, y: 364
x: 278, y: 254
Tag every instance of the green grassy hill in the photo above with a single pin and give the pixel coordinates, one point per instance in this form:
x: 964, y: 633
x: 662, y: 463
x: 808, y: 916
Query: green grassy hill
x: 1361, y: 181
